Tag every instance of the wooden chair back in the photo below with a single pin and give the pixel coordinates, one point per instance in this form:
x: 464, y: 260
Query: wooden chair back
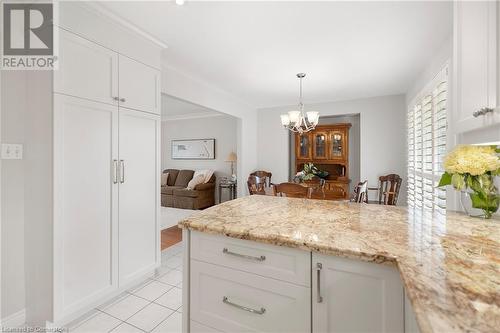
x: 389, y: 186
x: 360, y: 192
x: 263, y: 174
x: 292, y: 190
x: 256, y: 185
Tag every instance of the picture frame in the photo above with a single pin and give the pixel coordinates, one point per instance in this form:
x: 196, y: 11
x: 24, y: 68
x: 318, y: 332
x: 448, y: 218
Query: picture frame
x: 193, y: 149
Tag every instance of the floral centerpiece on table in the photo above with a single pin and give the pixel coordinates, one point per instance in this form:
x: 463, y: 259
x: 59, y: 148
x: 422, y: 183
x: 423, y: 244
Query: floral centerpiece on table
x: 310, y: 171
x: 472, y: 169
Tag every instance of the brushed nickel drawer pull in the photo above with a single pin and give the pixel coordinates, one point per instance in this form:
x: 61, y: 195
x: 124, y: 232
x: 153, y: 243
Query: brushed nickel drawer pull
x: 241, y: 307
x: 122, y: 171
x: 226, y: 251
x: 319, y: 266
x: 115, y: 171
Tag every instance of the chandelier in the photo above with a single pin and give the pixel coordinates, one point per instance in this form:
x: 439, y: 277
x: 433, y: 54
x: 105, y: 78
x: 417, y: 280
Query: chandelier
x: 298, y: 121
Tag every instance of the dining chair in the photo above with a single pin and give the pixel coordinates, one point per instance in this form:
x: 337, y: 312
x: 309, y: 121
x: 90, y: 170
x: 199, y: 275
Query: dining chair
x: 388, y: 189
x: 360, y: 193
x: 292, y: 190
x: 317, y: 186
x: 263, y: 174
x: 256, y: 185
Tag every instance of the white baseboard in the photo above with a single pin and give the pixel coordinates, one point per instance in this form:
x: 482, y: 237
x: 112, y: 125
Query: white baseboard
x: 14, y: 320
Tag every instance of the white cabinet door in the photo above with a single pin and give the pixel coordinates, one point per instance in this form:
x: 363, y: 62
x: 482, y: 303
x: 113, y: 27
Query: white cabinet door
x: 139, y: 194
x: 86, y: 70
x: 355, y: 296
x: 85, y: 202
x: 475, y: 64
x: 139, y: 86
x: 411, y: 325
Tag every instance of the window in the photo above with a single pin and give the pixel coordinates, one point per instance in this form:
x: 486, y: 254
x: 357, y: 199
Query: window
x: 427, y: 145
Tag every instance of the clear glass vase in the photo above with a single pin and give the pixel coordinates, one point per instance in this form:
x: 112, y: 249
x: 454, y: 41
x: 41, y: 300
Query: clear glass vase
x: 466, y: 202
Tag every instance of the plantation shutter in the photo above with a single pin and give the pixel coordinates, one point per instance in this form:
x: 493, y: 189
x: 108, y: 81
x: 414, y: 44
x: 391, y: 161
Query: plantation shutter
x: 427, y: 145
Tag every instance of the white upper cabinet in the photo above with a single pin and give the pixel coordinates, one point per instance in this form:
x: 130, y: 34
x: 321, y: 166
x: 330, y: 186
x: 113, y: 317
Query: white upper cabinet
x: 355, y: 296
x: 475, y: 65
x: 139, y: 86
x: 86, y: 70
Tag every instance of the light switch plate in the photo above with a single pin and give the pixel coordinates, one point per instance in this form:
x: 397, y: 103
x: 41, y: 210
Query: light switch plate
x: 12, y: 151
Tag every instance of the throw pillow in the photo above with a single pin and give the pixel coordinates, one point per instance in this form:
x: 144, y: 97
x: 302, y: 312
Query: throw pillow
x: 164, y: 179
x: 199, y: 179
x: 206, y: 173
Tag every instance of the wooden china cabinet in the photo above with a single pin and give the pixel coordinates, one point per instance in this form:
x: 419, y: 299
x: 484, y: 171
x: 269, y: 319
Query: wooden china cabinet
x: 327, y: 146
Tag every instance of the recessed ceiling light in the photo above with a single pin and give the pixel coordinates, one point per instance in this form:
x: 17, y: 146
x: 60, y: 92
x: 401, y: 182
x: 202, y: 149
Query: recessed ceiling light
x: 179, y: 2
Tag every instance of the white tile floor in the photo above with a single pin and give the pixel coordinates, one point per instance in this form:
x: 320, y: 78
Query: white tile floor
x: 154, y: 306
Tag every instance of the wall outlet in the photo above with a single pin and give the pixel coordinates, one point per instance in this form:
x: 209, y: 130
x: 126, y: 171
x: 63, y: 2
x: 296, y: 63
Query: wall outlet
x: 12, y: 151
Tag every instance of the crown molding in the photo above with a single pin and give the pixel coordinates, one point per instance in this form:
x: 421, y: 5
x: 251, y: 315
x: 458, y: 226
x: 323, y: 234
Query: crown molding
x: 100, y: 9
x: 192, y: 116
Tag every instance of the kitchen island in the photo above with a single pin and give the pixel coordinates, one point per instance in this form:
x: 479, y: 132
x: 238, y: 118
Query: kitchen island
x: 449, y: 266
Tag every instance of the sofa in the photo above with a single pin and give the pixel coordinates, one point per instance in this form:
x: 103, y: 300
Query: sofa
x: 175, y: 193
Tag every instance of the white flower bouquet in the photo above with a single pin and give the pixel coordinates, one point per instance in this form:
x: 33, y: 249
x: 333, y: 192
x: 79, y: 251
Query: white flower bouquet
x: 474, y: 168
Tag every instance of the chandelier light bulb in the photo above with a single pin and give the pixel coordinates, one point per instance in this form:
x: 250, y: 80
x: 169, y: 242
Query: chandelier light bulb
x: 294, y: 117
x: 312, y: 117
x: 179, y: 2
x: 300, y: 121
x: 285, y: 120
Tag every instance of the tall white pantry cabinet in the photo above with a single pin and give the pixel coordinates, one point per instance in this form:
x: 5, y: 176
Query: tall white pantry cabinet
x: 105, y: 170
x: 106, y: 129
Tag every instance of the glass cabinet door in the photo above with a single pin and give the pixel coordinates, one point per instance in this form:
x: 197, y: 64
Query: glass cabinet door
x: 303, y: 146
x: 337, y: 145
x: 320, y: 146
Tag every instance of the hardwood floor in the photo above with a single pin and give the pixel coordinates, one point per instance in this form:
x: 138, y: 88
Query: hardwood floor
x: 170, y: 236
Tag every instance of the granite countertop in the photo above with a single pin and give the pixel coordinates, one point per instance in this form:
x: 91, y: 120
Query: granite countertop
x: 450, y: 266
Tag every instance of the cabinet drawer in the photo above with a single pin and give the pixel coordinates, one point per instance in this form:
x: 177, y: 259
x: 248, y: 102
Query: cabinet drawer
x: 234, y: 301
x: 336, y: 190
x: 276, y: 262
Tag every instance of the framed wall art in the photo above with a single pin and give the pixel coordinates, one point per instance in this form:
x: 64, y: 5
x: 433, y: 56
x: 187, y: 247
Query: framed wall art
x: 193, y: 149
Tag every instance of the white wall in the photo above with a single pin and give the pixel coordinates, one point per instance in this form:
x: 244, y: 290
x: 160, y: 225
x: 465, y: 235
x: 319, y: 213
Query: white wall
x: 442, y: 56
x: 179, y: 85
x: 221, y: 128
x: 14, y: 106
x: 38, y: 214
x: 382, y: 137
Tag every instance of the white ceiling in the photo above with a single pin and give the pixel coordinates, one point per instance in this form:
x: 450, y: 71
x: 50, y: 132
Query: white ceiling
x: 254, y: 49
x: 173, y: 108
